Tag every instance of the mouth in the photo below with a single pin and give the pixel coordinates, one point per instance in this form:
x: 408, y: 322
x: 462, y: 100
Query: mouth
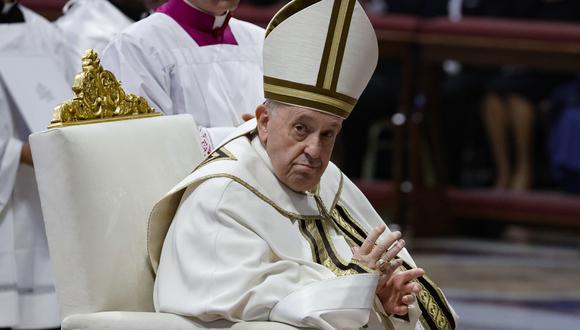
x: 306, y: 167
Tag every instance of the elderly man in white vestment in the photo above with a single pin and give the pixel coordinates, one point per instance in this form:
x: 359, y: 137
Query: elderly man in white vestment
x: 27, y: 295
x: 267, y: 228
x: 192, y: 57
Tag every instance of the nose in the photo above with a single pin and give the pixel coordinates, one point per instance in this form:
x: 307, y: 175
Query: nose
x: 313, y: 148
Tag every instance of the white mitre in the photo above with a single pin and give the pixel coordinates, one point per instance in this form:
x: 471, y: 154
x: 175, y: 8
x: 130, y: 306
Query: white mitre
x: 319, y: 55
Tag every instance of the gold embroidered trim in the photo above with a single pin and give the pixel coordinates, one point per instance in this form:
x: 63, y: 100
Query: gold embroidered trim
x: 325, y: 60
x: 340, y: 31
x: 347, y: 228
x: 314, y: 89
x: 433, y: 309
x: 287, y: 214
x: 436, y: 313
x: 219, y: 154
x: 288, y: 10
x: 316, y: 233
x: 302, y: 98
x: 324, y: 252
x: 342, y: 44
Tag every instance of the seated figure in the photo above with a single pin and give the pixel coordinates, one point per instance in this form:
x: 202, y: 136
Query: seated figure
x: 266, y: 228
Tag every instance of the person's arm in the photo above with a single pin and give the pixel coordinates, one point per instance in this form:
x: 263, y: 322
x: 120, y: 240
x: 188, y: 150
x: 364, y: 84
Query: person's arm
x: 215, y: 265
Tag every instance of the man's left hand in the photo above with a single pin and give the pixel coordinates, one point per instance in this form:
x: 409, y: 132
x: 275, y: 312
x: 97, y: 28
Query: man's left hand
x: 397, y: 288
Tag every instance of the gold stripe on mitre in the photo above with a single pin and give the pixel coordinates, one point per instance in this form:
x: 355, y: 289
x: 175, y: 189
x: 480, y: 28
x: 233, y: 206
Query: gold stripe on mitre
x: 334, y: 45
x: 308, y: 96
x: 288, y: 10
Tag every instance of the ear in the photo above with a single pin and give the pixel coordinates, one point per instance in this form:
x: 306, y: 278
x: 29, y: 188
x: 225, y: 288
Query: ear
x: 262, y: 119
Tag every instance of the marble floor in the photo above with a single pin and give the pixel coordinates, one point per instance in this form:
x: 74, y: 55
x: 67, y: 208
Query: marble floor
x: 495, y: 284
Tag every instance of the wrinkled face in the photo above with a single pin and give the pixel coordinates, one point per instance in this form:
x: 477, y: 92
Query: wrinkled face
x: 299, y: 142
x: 215, y: 7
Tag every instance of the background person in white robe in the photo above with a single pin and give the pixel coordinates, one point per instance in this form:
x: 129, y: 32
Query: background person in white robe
x: 91, y: 24
x: 266, y: 228
x: 192, y: 57
x: 27, y: 296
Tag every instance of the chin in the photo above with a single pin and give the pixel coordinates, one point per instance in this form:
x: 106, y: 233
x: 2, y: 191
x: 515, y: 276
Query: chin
x: 302, y: 183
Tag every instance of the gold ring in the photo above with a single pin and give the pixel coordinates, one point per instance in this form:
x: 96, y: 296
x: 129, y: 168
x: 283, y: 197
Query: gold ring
x: 381, y: 264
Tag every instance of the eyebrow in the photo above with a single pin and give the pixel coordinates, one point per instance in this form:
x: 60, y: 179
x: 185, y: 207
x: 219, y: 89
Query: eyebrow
x: 305, y: 117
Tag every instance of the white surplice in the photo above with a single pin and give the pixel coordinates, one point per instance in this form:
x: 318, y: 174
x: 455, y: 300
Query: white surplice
x: 155, y: 58
x: 90, y: 24
x: 27, y: 295
x: 242, y: 246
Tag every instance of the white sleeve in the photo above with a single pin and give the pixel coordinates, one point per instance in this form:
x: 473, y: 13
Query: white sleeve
x: 212, y: 137
x: 214, y: 265
x: 10, y: 149
x: 137, y: 65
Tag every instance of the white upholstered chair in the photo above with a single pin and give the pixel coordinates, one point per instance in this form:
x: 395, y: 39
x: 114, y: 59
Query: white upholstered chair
x: 98, y: 183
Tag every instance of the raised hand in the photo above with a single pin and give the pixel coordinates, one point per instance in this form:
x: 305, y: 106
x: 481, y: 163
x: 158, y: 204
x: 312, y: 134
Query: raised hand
x: 397, y: 290
x: 378, y: 255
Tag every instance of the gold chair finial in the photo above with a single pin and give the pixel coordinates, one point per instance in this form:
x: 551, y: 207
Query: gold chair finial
x: 98, y: 98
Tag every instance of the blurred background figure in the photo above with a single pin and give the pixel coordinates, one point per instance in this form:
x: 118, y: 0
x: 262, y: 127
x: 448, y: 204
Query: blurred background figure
x: 27, y: 295
x: 511, y: 104
x: 563, y: 137
x: 93, y: 23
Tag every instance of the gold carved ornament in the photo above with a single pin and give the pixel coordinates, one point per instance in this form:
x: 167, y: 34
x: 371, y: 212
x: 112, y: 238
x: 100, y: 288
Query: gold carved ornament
x: 98, y: 98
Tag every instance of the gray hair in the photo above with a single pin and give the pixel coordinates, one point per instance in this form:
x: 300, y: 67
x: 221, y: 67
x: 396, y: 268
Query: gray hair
x: 273, y: 106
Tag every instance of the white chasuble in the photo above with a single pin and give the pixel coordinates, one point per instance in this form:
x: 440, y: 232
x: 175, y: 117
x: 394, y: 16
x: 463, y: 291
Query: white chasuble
x: 27, y: 295
x: 242, y: 246
x: 155, y: 58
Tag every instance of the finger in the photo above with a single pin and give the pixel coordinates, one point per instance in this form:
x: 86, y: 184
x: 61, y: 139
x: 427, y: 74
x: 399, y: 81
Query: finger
x: 410, y: 288
x: 402, y: 278
x: 378, y: 250
x: 394, y: 250
x: 391, y: 237
x: 408, y: 299
x: 383, y: 245
x: 401, y: 310
x: 392, y: 265
x: 369, y: 242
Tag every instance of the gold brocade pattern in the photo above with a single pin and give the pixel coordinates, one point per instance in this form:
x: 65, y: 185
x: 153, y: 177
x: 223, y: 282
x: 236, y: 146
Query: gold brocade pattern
x: 436, y: 314
x: 317, y: 233
x: 353, y: 237
x: 324, y: 251
x: 434, y: 311
x: 98, y: 98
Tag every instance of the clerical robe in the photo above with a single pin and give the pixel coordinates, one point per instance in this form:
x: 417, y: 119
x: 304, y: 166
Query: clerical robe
x: 27, y: 295
x: 90, y: 24
x: 185, y: 61
x: 243, y: 246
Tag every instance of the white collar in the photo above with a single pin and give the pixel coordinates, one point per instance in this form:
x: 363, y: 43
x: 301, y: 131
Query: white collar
x: 218, y: 21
